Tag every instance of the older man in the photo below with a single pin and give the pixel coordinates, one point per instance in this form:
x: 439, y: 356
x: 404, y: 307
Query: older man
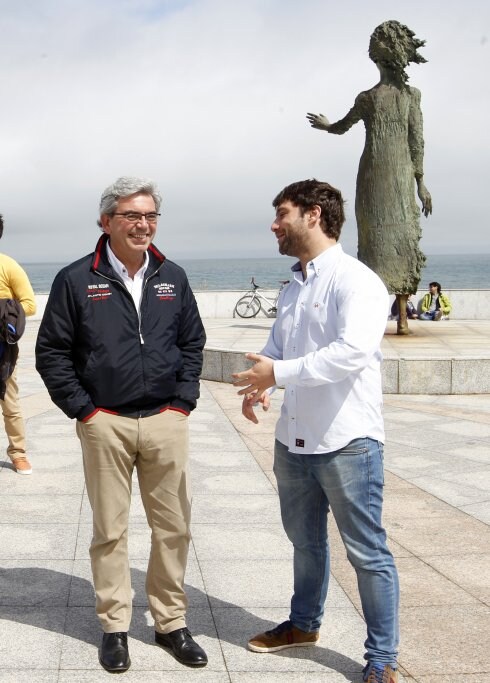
x: 120, y: 349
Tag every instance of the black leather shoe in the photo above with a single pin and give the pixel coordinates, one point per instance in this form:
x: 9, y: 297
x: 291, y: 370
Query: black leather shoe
x: 183, y: 647
x: 113, y: 653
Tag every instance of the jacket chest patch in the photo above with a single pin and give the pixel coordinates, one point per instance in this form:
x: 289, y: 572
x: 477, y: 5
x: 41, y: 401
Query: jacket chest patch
x: 100, y: 292
x: 164, y: 291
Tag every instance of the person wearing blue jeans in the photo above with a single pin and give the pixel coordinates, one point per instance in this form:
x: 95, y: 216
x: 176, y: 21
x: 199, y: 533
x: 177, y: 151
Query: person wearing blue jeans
x: 435, y: 305
x: 324, y: 349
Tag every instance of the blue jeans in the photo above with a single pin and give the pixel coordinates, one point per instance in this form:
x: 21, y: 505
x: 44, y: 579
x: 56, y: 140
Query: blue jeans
x: 350, y: 483
x: 428, y: 315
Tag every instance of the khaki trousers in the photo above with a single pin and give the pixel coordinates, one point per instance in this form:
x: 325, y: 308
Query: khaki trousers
x: 158, y: 446
x: 12, y: 417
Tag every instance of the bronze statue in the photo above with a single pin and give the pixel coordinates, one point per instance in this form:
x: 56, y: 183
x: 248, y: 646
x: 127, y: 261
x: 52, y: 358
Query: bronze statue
x: 386, y: 211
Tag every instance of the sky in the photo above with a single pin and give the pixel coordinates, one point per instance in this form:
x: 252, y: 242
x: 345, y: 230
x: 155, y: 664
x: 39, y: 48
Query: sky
x: 209, y: 99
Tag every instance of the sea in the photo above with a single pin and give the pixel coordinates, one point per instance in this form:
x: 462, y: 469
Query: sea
x: 452, y: 271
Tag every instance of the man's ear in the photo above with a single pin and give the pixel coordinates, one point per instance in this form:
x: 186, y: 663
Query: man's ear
x: 105, y: 223
x: 315, y: 213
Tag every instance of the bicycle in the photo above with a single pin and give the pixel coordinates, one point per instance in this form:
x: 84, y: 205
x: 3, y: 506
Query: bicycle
x: 254, y: 301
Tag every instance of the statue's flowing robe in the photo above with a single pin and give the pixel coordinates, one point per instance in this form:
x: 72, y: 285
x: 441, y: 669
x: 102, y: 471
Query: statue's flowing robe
x: 388, y: 218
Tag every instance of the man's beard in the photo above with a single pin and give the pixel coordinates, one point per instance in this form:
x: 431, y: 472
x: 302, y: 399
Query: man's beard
x: 289, y: 245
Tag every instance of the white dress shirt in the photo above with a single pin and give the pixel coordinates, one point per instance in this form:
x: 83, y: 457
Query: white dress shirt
x: 133, y: 285
x: 325, y: 344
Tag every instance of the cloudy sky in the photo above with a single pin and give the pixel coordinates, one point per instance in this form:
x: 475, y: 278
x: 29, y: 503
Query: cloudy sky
x: 208, y: 98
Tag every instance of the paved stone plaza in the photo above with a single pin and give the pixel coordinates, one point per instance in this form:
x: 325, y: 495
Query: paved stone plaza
x: 452, y: 357
x: 437, y: 512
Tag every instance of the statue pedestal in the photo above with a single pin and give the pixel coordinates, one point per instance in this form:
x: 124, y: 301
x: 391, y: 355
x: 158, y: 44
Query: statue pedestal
x: 402, y: 325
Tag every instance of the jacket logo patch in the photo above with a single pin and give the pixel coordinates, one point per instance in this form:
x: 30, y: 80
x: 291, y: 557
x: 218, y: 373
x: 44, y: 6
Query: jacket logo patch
x: 164, y: 291
x: 300, y: 443
x: 99, y: 292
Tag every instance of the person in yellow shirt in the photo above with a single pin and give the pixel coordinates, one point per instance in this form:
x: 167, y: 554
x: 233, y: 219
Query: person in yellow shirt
x: 435, y: 305
x: 14, y: 284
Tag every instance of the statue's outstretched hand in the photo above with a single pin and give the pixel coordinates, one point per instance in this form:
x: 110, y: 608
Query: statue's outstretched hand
x: 425, y: 198
x: 318, y: 121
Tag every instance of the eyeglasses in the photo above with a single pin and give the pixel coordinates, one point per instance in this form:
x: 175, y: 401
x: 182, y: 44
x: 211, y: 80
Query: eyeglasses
x: 135, y: 216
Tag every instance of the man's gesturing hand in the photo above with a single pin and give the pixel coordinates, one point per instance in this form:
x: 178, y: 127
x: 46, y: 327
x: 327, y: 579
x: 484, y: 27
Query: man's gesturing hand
x: 252, y: 400
x: 256, y: 379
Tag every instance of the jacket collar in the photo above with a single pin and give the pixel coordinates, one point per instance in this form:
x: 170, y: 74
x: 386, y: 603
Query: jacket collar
x: 100, y: 262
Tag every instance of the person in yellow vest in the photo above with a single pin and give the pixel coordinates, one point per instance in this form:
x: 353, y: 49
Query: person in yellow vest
x: 14, y: 284
x: 435, y: 305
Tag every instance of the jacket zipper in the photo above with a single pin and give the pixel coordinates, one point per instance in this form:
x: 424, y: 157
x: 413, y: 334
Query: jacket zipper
x: 142, y: 341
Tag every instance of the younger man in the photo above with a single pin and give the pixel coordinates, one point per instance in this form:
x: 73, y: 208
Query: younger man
x: 324, y: 349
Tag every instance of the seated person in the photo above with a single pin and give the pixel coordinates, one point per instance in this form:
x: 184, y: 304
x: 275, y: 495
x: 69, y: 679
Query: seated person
x: 411, y: 310
x: 435, y: 305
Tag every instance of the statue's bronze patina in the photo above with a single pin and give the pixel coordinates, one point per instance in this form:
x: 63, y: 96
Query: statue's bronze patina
x: 388, y: 218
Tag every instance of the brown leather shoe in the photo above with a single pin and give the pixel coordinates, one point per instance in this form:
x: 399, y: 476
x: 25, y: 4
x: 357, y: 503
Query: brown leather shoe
x: 22, y: 465
x: 378, y: 675
x: 283, y: 636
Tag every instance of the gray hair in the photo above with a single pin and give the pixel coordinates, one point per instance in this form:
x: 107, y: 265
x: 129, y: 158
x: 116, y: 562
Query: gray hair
x: 125, y: 187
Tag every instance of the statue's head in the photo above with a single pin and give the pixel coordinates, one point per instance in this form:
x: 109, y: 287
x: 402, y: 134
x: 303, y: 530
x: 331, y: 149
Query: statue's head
x: 394, y: 46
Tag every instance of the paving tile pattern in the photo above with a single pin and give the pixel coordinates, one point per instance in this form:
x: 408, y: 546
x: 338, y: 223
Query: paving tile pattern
x: 437, y: 511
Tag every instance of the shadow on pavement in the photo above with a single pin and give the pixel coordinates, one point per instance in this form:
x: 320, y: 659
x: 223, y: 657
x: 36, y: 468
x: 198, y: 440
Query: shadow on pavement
x: 32, y: 595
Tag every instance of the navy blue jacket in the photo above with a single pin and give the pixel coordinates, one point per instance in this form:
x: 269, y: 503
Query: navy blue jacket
x: 92, y: 351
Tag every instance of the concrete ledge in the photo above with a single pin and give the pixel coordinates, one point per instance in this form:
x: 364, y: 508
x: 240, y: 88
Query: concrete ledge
x: 470, y: 376
x: 403, y: 373
x: 219, y: 364
x: 400, y: 375
x: 424, y: 376
x: 468, y: 304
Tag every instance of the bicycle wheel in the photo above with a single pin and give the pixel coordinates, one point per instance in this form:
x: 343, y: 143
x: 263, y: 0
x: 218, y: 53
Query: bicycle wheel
x: 248, y: 306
